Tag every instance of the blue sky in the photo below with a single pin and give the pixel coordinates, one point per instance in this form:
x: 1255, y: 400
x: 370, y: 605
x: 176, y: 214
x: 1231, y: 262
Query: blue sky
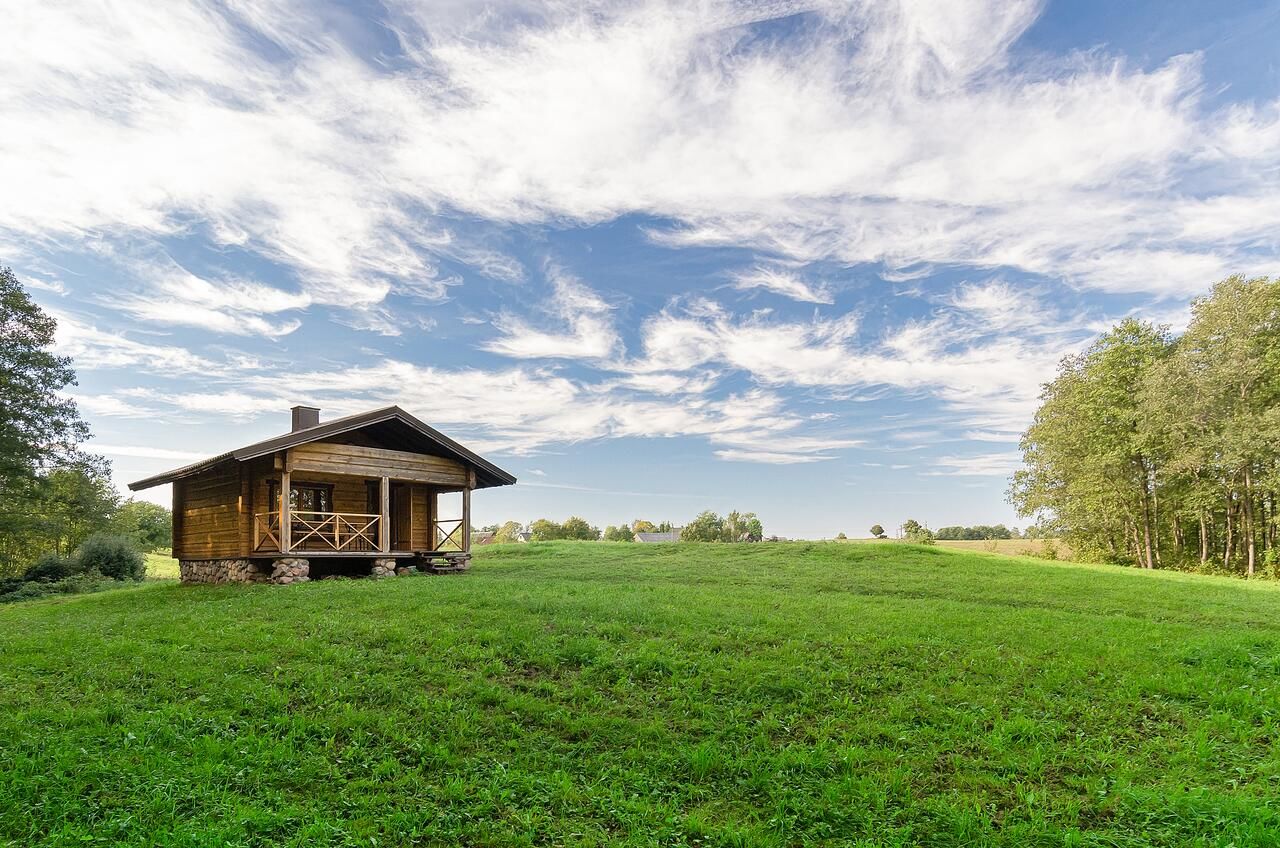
x: 808, y: 259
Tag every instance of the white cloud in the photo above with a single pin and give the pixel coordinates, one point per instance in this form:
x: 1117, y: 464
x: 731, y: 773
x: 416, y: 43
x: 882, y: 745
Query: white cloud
x: 984, y: 465
x: 144, y: 452
x: 588, y: 333
x: 886, y: 131
x: 784, y: 282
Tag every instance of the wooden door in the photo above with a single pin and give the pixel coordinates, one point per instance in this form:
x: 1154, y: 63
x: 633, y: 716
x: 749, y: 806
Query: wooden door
x: 401, y: 518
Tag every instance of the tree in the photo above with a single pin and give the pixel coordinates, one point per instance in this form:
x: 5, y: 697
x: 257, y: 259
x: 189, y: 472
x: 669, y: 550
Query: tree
x: 1089, y: 460
x: 642, y: 526
x: 39, y: 428
x: 148, y: 525
x: 917, y: 533
x: 546, y: 530
x: 877, y: 531
x: 707, y: 527
x: 841, y: 536
x: 739, y: 527
x: 509, y: 532
x: 578, y: 528
x: 621, y: 533
x: 1166, y: 452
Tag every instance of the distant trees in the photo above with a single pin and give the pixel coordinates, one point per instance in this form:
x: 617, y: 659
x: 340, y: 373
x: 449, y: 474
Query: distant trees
x: 916, y: 533
x: 977, y: 532
x: 642, y: 526
x: 621, y: 533
x: 508, y: 532
x: 546, y: 530
x: 1158, y: 451
x: 149, y: 526
x: 735, y: 527
x: 877, y: 531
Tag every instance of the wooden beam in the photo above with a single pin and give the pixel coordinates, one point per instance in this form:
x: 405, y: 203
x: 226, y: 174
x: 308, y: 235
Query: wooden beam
x: 384, y: 523
x: 244, y: 509
x: 286, y: 535
x: 176, y: 551
x: 466, y: 520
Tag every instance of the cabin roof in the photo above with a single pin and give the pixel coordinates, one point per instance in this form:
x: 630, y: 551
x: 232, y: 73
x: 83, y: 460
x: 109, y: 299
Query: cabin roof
x: 393, y: 425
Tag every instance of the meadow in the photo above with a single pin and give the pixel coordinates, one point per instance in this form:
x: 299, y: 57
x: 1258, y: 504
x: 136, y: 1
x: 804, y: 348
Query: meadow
x: 652, y: 695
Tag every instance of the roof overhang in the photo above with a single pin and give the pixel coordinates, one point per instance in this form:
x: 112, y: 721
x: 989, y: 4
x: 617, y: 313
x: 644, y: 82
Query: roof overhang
x: 411, y: 432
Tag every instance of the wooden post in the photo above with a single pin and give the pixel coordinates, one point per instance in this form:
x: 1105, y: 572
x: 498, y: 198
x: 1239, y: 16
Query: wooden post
x: 244, y: 510
x: 466, y: 520
x: 384, y: 523
x: 176, y: 488
x: 286, y: 530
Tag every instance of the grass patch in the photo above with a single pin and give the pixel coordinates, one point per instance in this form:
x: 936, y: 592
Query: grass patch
x: 161, y: 566
x: 591, y: 694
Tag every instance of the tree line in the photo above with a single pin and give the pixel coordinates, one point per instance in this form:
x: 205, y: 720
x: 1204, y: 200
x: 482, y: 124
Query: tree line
x: 708, y: 526
x: 54, y: 497
x: 1162, y: 451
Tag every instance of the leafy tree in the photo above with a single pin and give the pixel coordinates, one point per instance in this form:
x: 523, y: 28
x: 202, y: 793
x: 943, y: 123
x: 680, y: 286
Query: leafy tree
x: 509, y: 532
x: 841, y: 536
x: 877, y: 531
x: 1089, y: 460
x: 39, y: 427
x: 546, y: 530
x: 707, y: 527
x: 149, y: 525
x: 739, y: 527
x: 917, y: 533
x: 1166, y: 452
x: 621, y: 533
x: 642, y: 526
x: 578, y: 528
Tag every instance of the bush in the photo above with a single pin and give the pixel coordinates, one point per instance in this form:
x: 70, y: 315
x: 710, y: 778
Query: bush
x: 49, y: 568
x: 111, y: 556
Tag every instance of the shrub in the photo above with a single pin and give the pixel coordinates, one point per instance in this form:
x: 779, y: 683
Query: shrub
x: 49, y: 568
x: 111, y: 556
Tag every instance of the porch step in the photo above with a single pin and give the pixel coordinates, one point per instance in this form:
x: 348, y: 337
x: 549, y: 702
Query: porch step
x: 445, y: 563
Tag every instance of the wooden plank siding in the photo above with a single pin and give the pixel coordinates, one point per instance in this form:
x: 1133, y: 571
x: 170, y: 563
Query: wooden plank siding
x: 209, y: 521
x: 361, y: 461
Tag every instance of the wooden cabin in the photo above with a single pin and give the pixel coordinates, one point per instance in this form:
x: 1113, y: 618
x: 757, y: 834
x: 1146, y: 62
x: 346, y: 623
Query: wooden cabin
x: 364, y: 497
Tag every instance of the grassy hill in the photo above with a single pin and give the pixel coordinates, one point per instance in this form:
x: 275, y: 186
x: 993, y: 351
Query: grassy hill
x: 592, y: 694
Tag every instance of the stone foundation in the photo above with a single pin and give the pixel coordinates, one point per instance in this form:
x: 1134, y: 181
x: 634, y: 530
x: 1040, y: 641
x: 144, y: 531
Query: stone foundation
x: 291, y: 570
x: 222, y: 571
x: 383, y: 568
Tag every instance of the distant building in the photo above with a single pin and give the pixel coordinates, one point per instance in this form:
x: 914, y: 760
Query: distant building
x: 672, y: 535
x: 482, y: 537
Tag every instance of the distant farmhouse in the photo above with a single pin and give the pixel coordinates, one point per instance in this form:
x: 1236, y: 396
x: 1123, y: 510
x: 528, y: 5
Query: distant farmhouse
x: 356, y: 495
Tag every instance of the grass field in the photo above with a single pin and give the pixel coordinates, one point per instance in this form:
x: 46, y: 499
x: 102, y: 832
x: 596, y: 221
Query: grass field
x: 161, y: 566
x: 593, y: 694
x: 1012, y: 547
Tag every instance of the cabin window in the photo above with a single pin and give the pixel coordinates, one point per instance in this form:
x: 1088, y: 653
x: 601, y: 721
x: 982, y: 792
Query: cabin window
x: 305, y: 497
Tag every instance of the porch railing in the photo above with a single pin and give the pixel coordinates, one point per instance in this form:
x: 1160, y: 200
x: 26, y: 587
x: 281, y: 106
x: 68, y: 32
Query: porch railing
x: 447, y: 535
x: 318, y: 531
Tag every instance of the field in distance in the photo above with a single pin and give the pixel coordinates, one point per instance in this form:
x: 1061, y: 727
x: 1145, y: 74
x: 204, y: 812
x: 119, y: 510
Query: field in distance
x: 681, y: 694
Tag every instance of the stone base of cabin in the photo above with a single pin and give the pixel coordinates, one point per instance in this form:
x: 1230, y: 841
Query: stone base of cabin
x: 223, y: 571
x: 290, y: 570
x: 383, y: 568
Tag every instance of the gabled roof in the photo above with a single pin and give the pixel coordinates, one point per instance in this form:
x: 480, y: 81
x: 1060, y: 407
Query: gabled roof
x: 391, y: 422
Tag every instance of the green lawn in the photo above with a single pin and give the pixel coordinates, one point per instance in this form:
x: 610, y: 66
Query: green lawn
x: 596, y: 694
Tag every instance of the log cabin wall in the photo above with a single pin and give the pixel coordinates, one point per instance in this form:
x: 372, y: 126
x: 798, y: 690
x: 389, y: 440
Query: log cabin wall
x: 207, y: 505
x: 331, y: 458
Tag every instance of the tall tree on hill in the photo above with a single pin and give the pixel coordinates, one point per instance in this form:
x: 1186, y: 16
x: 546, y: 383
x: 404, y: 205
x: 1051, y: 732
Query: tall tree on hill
x: 1089, y: 461
x: 44, y: 478
x: 39, y: 428
x: 1143, y: 444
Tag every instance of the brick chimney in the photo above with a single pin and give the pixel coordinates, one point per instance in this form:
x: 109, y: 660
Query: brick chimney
x: 304, y: 417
